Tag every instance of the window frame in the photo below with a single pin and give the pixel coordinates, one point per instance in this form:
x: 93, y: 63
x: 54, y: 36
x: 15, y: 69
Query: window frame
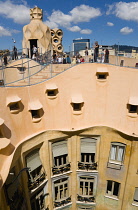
x: 59, y: 197
x: 112, y: 189
x: 38, y: 170
x: 91, y: 180
x: 65, y: 141
x: 117, y: 145
x: 135, y: 202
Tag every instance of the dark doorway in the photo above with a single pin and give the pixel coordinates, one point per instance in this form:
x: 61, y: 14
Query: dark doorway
x: 32, y: 42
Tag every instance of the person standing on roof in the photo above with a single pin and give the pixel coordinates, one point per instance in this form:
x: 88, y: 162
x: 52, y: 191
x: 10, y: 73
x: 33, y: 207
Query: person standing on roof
x: 34, y: 50
x: 14, y: 53
x: 86, y: 55
x: 96, y: 51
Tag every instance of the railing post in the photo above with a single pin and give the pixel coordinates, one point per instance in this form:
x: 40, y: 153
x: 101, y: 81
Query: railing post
x: 28, y: 73
x: 22, y: 69
x: 3, y: 73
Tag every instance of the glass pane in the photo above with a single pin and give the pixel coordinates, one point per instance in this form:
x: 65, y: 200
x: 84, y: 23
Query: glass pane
x: 86, y: 188
x: 64, y: 159
x: 120, y: 154
x: 116, y: 189
x: 82, y: 157
x: 56, y: 192
x: 61, y: 191
x: 91, y: 189
x: 93, y: 157
x: 81, y: 188
x: 113, y: 152
x: 136, y: 195
x: 87, y: 158
x: 109, y: 187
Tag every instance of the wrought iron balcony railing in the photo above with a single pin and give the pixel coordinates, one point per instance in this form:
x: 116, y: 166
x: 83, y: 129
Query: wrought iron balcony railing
x: 87, y: 166
x: 36, y: 181
x: 62, y: 203
x: 61, y: 169
x: 85, y: 199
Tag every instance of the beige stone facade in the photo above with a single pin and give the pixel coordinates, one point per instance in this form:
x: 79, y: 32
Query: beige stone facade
x: 78, y: 135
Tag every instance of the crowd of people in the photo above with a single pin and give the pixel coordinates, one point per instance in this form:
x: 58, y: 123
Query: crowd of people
x: 102, y: 57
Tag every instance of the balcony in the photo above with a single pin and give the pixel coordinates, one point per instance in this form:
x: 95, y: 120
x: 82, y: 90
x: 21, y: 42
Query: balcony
x: 86, y: 199
x: 87, y: 166
x: 62, y: 203
x: 36, y: 181
x: 61, y: 169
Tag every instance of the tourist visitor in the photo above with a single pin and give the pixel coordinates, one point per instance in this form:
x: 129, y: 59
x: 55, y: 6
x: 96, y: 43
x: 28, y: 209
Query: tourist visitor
x: 82, y: 59
x: 106, y: 60
x: 5, y: 60
x: 68, y: 59
x: 64, y: 59
x: 54, y: 58
x: 74, y: 60
x: 96, y: 51
x: 102, y: 56
x: 86, y: 55
x: 60, y: 59
x: 14, y: 53
x: 34, y: 49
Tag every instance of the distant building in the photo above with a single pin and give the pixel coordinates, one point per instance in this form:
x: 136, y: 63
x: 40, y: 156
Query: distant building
x: 80, y: 44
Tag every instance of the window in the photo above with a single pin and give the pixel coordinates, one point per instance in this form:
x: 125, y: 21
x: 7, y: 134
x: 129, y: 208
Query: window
x: 1, y: 82
x: 77, y: 106
x: 14, y: 106
x: 117, y: 152
x: 102, y: 73
x: 21, y: 69
x: 77, y: 103
x: 35, y: 113
x: 14, y: 103
x: 112, y: 188
x: 132, y: 108
x: 136, y: 195
x: 101, y: 76
x: 51, y: 92
x: 38, y: 201
x: 60, y: 157
x: 86, y: 186
x: 34, y: 163
x: 60, y: 153
x: 61, y: 189
x: 36, y: 110
x: 88, y: 150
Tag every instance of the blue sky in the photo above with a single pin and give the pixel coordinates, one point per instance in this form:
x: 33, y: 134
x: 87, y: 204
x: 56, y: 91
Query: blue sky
x: 108, y: 22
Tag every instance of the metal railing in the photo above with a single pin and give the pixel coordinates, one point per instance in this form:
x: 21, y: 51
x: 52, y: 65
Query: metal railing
x: 26, y: 72
x: 62, y: 203
x: 87, y: 166
x: 32, y: 184
x: 85, y: 199
x: 61, y: 169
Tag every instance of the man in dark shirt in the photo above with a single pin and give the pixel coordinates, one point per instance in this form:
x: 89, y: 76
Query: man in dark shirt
x: 96, y: 51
